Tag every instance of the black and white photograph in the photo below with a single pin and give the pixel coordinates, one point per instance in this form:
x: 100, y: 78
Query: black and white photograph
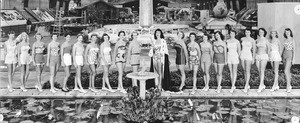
x: 150, y: 61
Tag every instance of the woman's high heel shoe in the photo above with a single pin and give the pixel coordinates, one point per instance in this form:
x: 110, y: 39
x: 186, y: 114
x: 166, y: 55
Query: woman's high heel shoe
x: 232, y: 89
x: 275, y: 88
x: 23, y: 89
x: 183, y: 88
x: 53, y: 90
x: 219, y: 89
x: 82, y: 91
x: 10, y: 89
x: 289, y: 89
x: 205, y: 88
x: 246, y: 89
x: 38, y: 88
x: 261, y: 89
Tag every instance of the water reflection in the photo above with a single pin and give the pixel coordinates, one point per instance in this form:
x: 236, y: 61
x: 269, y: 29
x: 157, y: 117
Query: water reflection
x: 179, y: 110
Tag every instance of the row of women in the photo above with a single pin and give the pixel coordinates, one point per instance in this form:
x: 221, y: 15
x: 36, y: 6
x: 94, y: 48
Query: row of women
x: 232, y: 52
x: 99, y: 53
x: 95, y: 54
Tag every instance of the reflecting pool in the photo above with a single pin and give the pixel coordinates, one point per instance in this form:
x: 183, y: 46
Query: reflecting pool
x: 175, y: 110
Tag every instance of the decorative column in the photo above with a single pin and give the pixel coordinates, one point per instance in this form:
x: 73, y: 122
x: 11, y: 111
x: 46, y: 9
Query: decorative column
x: 146, y: 13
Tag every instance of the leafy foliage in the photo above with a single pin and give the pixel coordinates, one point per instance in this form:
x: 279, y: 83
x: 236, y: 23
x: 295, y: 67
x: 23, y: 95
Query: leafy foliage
x: 150, y: 109
x: 175, y: 77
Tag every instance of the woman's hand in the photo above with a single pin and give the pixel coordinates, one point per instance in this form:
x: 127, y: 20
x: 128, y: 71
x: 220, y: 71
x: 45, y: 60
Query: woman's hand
x: 63, y: 64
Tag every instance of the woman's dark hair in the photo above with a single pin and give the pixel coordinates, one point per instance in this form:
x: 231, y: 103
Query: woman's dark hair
x: 54, y: 34
x: 66, y: 34
x: 102, y: 39
x: 80, y: 34
x: 247, y: 29
x: 275, y: 35
x: 182, y: 34
x: 287, y: 29
x: 38, y: 34
x: 235, y: 33
x: 11, y: 32
x: 263, y: 29
x: 221, y: 35
x: 132, y: 35
x: 191, y: 35
x: 161, y: 34
x: 94, y: 35
x: 121, y: 32
x: 207, y: 35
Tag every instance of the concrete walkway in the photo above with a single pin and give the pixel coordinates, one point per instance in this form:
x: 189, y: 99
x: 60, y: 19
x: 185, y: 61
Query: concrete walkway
x: 252, y: 94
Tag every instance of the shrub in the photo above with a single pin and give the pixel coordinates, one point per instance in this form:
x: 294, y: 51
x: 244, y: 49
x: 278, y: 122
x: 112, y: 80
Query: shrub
x: 175, y: 77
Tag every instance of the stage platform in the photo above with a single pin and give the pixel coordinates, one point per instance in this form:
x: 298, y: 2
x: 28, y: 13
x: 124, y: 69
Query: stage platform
x: 211, y: 94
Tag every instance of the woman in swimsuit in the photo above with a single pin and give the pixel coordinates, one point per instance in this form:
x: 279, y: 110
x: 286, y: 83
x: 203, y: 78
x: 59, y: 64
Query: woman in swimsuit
x: 119, y: 58
x: 53, y: 60
x: 66, y: 60
x: 220, y: 56
x: 194, y: 58
x: 10, y: 50
x: 275, y: 57
x: 24, y: 59
x: 159, y: 54
x: 105, y: 52
x: 262, y: 56
x: 234, y: 50
x: 38, y: 48
x: 133, y: 57
x: 77, y: 54
x: 289, y: 48
x: 181, y: 56
x: 92, y: 59
x: 247, y: 57
x: 206, y: 59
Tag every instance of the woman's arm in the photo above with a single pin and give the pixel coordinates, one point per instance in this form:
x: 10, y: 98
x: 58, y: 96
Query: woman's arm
x: 48, y: 55
x: 73, y: 54
x: 151, y: 48
x: 185, y: 52
x: 268, y: 47
x: 62, y: 56
x: 198, y: 50
x: 5, y: 49
x: 18, y: 53
x: 33, y: 53
x: 225, y: 52
x: 238, y: 47
x: 99, y: 57
x: 211, y: 52
x: 129, y: 52
x: 86, y: 53
x: 294, y: 52
x: 84, y: 59
x: 164, y: 49
x: 114, y: 52
x: 254, y: 50
x: 280, y: 47
x: 102, y: 54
